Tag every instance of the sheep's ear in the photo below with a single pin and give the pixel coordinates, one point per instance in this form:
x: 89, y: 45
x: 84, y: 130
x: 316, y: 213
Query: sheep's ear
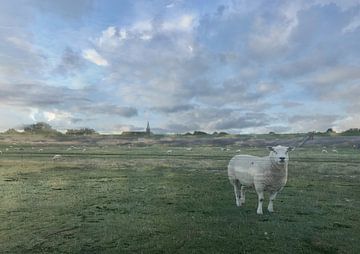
x: 270, y: 148
x: 290, y: 148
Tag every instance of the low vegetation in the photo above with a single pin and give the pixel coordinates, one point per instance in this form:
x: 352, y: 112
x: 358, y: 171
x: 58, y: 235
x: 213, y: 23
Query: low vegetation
x: 139, y: 199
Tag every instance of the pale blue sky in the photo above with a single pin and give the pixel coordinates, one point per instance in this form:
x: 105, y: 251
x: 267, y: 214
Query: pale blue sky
x: 226, y: 65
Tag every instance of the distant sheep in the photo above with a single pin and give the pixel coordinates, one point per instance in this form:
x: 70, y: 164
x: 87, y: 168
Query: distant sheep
x: 189, y: 149
x: 40, y: 150
x: 324, y: 151
x: 0, y: 152
x: 169, y: 151
x: 334, y: 151
x: 57, y: 157
x: 238, y: 150
x: 267, y: 173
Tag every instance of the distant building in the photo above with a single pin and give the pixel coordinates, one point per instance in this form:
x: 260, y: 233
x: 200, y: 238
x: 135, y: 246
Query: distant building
x: 147, y: 132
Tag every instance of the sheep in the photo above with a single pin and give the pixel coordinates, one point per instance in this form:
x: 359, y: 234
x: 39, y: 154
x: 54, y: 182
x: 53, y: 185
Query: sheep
x: 169, y: 151
x: 324, y: 151
x: 189, y: 149
x: 267, y: 173
x: 57, y: 157
x: 0, y: 152
x: 238, y: 150
x: 334, y: 151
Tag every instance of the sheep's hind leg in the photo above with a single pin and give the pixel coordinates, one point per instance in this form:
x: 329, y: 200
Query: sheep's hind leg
x: 271, y: 199
x: 237, y: 187
x: 261, y: 200
x: 242, y: 196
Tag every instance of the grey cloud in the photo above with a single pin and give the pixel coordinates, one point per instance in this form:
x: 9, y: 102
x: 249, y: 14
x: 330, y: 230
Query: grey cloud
x: 174, y: 109
x: 242, y: 122
x: 316, y: 122
x: 38, y: 95
x: 71, y: 62
x: 49, y: 97
x: 109, y: 109
x: 213, y: 119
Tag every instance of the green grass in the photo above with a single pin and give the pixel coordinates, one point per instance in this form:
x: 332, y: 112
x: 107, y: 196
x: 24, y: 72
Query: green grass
x: 116, y: 199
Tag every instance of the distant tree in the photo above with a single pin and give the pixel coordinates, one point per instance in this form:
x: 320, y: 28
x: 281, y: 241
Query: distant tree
x: 11, y: 132
x: 80, y: 132
x: 330, y: 130
x: 352, y: 132
x: 200, y: 133
x: 40, y: 128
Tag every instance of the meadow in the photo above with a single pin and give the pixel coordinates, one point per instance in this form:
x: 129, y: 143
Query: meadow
x: 130, y: 199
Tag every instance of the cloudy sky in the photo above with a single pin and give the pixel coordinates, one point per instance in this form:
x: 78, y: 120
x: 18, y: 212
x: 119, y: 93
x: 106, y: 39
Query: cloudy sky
x: 240, y: 66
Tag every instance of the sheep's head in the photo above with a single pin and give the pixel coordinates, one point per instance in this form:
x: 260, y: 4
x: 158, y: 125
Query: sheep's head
x: 280, y: 154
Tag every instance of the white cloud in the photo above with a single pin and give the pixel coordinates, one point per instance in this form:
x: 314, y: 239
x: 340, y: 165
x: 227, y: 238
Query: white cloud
x: 21, y: 43
x: 185, y: 22
x: 337, y: 75
x: 353, y: 25
x: 93, y: 56
x: 350, y: 121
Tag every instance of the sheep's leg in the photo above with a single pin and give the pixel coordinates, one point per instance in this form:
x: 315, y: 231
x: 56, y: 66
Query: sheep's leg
x: 271, y: 199
x: 237, y: 187
x: 242, y: 197
x: 261, y: 200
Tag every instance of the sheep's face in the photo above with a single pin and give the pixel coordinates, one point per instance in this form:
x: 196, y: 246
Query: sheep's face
x: 280, y: 154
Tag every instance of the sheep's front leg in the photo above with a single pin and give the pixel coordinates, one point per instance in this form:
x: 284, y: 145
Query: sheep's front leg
x: 237, y: 187
x: 261, y: 200
x: 271, y: 199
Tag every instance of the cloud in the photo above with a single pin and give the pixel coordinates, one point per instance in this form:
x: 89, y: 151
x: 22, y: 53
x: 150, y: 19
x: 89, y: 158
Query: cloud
x: 59, y: 99
x: 353, y: 25
x: 71, y: 62
x: 93, y: 56
x: 315, y: 122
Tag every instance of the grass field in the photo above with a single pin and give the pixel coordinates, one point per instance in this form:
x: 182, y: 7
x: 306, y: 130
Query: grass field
x: 117, y: 199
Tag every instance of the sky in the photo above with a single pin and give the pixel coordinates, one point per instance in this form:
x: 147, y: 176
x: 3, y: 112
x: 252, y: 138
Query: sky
x: 240, y: 66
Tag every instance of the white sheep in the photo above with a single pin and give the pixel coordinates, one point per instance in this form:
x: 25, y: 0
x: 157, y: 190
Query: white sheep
x: 238, y: 150
x: 189, y: 149
x: 169, y: 151
x: 334, y: 151
x: 324, y: 151
x: 1, y: 152
x: 57, y: 157
x: 267, y: 173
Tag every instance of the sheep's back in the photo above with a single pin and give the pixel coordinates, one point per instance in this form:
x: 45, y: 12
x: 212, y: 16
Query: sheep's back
x: 244, y: 168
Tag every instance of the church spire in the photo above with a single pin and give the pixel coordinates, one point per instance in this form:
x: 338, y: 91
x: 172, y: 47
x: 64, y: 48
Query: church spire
x: 148, y: 128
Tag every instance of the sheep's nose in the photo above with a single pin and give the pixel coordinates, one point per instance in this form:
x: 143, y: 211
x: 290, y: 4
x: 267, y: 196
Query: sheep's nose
x: 282, y: 158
